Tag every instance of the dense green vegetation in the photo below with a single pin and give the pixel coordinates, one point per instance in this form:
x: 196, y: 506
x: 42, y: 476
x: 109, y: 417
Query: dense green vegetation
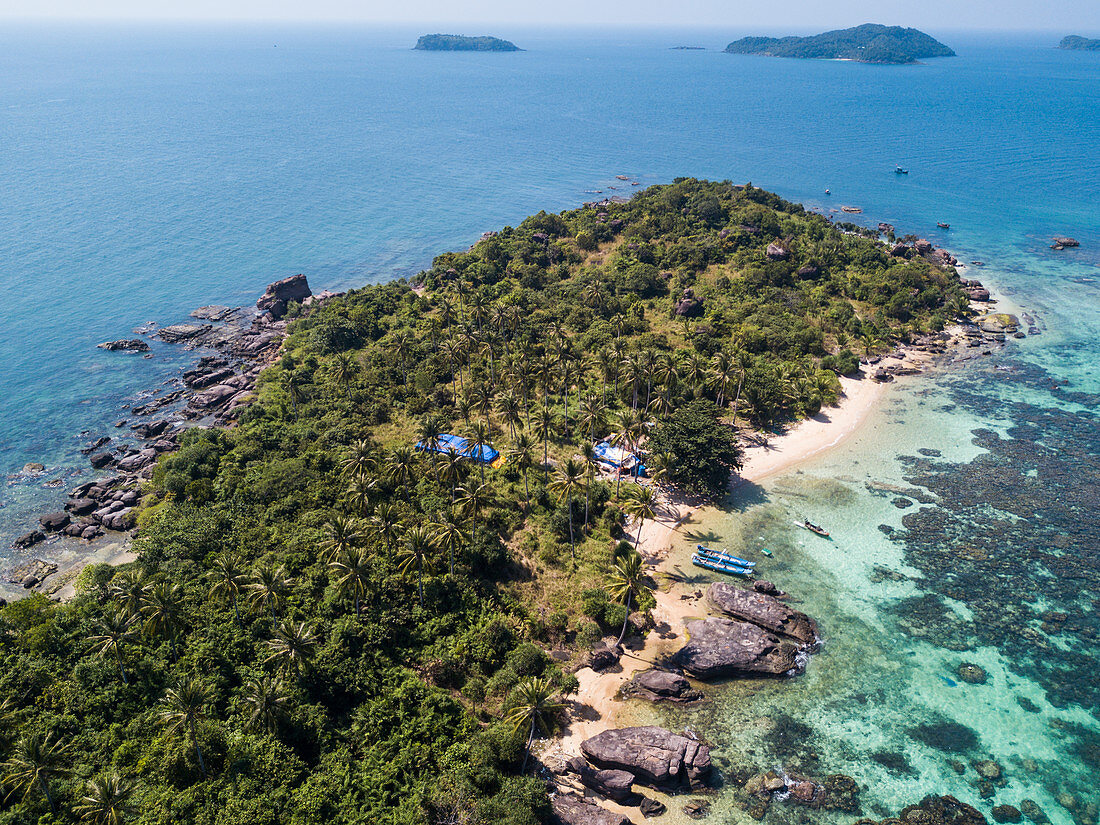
x: 326, y: 625
x: 869, y: 43
x: 460, y: 43
x: 1074, y: 42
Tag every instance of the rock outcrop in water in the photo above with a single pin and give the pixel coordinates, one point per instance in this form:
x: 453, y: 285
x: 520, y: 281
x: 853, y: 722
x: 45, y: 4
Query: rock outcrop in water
x: 462, y: 43
x: 661, y: 686
x: 762, y: 610
x: 656, y: 756
x: 719, y: 648
x: 1074, y: 42
x: 125, y: 345
x: 278, y: 295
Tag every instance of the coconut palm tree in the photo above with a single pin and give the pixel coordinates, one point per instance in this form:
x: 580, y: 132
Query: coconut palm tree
x: 470, y: 501
x: 34, y: 762
x: 452, y: 470
x: 360, y: 492
x: 642, y: 505
x: 417, y: 553
x: 401, y: 468
x: 659, y: 466
x: 627, y: 582
x: 532, y: 706
x: 696, y: 370
x: 545, y: 426
x: 265, y: 700
x: 162, y: 609
x: 292, y: 384
x: 341, y: 534
x: 742, y: 361
x: 128, y: 588
x: 352, y: 568
x: 510, y: 412
x: 386, y: 522
x: 722, y: 372
x: 268, y: 588
x: 592, y: 415
x: 183, y: 708
x: 634, y: 372
x: 113, y: 630
x: 227, y: 581
x: 448, y: 534
x: 568, y: 481
x: 344, y: 370
x: 105, y: 800
x: 480, y: 438
x: 591, y: 467
x: 429, y: 433
x: 293, y: 645
x: 522, y: 454
x: 360, y: 461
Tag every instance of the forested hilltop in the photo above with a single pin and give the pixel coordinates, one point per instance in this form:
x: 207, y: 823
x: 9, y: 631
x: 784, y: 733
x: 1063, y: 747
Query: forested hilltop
x: 869, y: 43
x: 326, y: 625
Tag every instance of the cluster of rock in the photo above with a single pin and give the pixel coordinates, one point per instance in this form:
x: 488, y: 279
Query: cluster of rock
x: 32, y: 572
x: 216, y: 389
x: 934, y: 810
x: 836, y: 792
x: 758, y: 635
x: 614, y: 761
x: 925, y: 249
x: 689, y: 306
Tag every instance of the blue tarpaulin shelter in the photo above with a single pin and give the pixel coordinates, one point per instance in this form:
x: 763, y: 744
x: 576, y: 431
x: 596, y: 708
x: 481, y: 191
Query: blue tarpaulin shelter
x: 618, y: 459
x: 447, y: 442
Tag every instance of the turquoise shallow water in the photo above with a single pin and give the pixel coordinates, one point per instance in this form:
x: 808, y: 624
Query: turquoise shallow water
x: 149, y: 171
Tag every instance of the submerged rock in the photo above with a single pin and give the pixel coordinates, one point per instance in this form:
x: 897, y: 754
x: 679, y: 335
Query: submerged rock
x: 934, y: 810
x: 763, y: 610
x: 972, y: 673
x: 125, y: 345
x: 1006, y: 813
x: 723, y: 647
x: 656, y: 756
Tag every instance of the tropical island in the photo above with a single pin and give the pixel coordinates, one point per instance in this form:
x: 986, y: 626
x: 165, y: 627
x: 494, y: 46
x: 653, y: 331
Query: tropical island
x: 461, y: 43
x: 366, y: 599
x: 1075, y: 42
x: 869, y: 43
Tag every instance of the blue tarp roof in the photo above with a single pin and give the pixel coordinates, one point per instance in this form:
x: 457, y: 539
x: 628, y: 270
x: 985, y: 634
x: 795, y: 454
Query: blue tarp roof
x: 462, y: 446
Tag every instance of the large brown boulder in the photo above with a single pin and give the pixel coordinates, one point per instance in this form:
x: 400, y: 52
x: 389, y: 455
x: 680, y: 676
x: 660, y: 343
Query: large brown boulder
x: 723, y: 647
x: 656, y: 756
x: 763, y: 610
x: 661, y: 686
x: 570, y: 809
x: 279, y: 294
x: 777, y: 251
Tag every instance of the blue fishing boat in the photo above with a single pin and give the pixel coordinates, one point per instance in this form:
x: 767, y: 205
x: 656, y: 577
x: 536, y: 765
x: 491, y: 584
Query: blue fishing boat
x: 711, y: 563
x: 722, y: 555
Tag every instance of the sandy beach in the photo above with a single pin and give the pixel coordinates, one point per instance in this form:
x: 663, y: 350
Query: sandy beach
x: 595, y: 707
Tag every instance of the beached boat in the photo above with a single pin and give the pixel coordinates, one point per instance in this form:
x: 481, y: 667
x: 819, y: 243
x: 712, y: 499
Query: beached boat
x: 813, y: 528
x: 709, y: 563
x: 943, y: 225
x: 722, y: 555
x: 765, y: 551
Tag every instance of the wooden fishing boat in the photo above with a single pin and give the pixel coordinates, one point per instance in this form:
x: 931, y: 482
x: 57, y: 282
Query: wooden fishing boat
x: 710, y: 563
x: 943, y: 225
x: 813, y: 528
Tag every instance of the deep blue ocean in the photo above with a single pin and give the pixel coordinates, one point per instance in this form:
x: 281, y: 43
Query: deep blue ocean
x: 149, y: 171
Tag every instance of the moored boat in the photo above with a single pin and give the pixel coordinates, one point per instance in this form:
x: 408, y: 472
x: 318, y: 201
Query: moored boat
x: 899, y: 171
x: 710, y: 563
x: 813, y: 528
x: 722, y: 555
x: 943, y: 225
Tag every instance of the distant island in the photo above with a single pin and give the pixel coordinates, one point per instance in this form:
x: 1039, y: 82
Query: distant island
x: 689, y: 48
x: 869, y: 43
x: 459, y: 43
x: 1075, y: 42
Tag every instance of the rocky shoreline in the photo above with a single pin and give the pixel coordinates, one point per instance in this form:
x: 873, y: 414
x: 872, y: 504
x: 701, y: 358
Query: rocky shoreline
x: 237, y: 344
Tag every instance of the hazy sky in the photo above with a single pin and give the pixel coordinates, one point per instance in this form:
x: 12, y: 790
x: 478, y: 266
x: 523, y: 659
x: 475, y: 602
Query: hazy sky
x: 1059, y: 15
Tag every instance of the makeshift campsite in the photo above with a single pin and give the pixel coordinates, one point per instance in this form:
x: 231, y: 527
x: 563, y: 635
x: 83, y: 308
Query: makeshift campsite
x: 618, y: 460
x: 446, y: 442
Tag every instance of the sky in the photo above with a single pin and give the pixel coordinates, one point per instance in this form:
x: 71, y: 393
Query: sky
x: 1067, y: 16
